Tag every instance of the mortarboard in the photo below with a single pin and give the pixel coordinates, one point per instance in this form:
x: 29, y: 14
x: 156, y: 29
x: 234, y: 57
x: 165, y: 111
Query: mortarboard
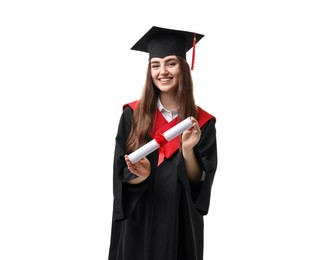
x: 161, y: 42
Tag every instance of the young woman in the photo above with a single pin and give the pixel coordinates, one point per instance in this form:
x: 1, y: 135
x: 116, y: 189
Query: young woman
x: 160, y: 201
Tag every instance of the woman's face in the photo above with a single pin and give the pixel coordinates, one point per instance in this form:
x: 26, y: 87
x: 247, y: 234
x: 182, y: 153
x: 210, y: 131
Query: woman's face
x: 165, y: 73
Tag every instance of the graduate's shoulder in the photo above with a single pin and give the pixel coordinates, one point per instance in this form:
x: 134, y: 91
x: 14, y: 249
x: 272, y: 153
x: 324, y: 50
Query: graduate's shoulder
x: 205, y: 117
x: 127, y: 111
x: 131, y: 105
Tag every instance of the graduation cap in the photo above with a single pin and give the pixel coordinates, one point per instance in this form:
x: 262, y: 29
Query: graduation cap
x: 161, y: 42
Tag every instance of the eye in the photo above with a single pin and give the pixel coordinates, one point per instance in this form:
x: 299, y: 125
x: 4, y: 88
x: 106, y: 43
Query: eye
x: 171, y: 64
x: 154, y: 66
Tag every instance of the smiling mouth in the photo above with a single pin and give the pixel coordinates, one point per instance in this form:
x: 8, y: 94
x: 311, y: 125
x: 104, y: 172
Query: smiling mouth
x: 163, y: 80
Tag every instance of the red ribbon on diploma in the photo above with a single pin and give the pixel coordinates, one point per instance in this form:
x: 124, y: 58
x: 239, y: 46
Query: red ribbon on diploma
x: 160, y: 139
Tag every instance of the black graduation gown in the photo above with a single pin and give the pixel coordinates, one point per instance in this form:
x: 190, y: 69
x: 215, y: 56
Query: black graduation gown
x: 162, y: 217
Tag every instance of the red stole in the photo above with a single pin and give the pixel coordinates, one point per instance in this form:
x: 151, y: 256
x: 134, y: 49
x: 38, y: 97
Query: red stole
x: 161, y: 125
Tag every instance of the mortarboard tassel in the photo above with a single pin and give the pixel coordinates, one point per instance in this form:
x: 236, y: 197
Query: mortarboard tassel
x: 193, y: 51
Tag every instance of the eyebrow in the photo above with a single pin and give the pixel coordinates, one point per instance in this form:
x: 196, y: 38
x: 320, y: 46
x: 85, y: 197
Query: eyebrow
x: 171, y: 59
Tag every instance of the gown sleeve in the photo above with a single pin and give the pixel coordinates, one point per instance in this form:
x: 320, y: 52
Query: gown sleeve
x: 125, y: 195
x: 206, y: 154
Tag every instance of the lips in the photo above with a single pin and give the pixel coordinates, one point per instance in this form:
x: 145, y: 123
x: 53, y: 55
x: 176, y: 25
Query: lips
x: 165, y: 79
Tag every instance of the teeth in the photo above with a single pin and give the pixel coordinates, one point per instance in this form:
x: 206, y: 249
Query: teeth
x: 165, y: 79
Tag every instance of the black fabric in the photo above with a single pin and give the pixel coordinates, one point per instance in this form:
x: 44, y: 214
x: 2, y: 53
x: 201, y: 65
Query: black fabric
x: 162, y: 217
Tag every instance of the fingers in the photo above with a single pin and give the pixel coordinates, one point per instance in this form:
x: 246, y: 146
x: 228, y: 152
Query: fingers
x: 127, y: 160
x: 129, y: 164
x: 196, y: 128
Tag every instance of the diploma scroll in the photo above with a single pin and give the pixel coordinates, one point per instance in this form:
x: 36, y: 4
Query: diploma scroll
x: 154, y: 144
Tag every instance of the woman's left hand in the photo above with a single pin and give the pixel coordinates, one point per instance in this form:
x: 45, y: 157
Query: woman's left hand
x: 191, y: 136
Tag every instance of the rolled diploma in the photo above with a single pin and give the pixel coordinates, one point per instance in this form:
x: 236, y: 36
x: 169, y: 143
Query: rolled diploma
x: 153, y: 145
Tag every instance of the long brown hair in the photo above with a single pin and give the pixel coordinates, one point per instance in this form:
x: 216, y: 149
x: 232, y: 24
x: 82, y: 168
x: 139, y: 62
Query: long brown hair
x: 143, y: 117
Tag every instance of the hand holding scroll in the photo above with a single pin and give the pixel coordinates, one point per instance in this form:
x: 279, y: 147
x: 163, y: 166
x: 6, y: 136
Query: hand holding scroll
x: 191, y: 136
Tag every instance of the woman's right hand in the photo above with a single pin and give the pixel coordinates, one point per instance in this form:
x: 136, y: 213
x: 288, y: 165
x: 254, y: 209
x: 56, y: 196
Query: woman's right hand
x: 141, y: 168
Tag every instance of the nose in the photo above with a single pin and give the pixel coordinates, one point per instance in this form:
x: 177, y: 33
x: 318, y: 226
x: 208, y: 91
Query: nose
x: 163, y: 70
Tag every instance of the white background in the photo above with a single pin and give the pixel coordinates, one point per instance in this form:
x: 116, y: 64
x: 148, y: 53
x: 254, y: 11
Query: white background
x: 66, y: 69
